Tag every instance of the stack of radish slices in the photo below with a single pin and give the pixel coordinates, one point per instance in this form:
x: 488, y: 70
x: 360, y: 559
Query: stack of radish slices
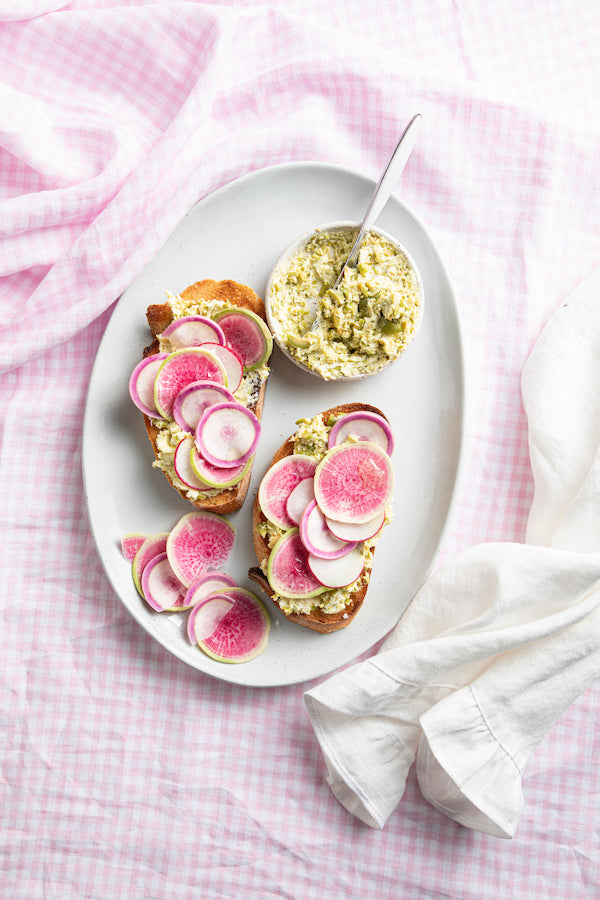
x: 327, y: 509
x: 194, y: 384
x: 178, y: 570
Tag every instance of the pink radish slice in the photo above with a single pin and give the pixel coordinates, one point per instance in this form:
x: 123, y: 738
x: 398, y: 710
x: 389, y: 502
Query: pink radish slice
x: 352, y: 531
x: 182, y: 368
x: 227, y: 434
x: 131, y: 543
x: 203, y: 587
x: 247, y: 334
x: 279, y: 482
x: 141, y: 384
x: 299, y: 499
x: 233, y: 364
x: 194, y: 398
x: 152, y: 546
x: 354, y: 482
x: 318, y: 539
x: 183, y: 465
x: 337, y: 573
x: 199, y: 542
x: 365, y: 426
x: 161, y: 586
x: 231, y: 627
x: 217, y: 476
x: 206, y: 617
x: 287, y: 569
x: 191, y: 331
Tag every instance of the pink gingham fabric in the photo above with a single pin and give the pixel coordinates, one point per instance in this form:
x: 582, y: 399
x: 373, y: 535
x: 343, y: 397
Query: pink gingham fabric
x: 122, y: 773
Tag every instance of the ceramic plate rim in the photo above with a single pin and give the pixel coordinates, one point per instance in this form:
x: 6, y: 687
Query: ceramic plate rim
x: 242, y: 674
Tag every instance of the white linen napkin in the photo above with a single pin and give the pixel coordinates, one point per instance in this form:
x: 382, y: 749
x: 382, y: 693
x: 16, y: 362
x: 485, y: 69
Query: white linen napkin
x: 499, y: 641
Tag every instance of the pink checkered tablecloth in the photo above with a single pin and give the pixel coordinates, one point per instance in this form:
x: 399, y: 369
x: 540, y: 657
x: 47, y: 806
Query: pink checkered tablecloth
x: 124, y: 773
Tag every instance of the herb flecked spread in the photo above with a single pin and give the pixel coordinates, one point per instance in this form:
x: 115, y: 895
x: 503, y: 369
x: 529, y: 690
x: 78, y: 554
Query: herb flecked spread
x: 366, y: 323
x: 169, y: 432
x: 311, y: 439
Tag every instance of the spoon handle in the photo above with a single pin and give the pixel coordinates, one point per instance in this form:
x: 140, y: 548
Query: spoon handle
x: 385, y: 186
x: 392, y: 171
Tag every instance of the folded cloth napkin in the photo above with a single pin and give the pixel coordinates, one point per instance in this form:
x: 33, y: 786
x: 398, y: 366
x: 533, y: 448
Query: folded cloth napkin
x: 499, y: 641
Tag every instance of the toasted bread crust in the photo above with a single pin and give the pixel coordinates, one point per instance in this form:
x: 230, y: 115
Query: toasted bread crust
x: 159, y: 316
x: 316, y: 620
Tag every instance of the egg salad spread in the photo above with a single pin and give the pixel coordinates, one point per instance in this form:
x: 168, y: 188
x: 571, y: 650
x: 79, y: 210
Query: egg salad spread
x: 311, y: 439
x: 169, y: 433
x: 362, y: 325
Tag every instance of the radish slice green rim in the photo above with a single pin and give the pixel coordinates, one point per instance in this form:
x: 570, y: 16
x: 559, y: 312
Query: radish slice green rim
x: 217, y: 476
x: 141, y: 384
x: 238, y: 622
x: 182, y: 368
x: 194, y: 399
x: 364, y: 425
x: 204, y: 586
x: 227, y: 434
x: 353, y: 531
x: 247, y: 334
x: 339, y: 572
x: 317, y: 537
x: 200, y: 541
x: 152, y: 546
x: 191, y: 331
x: 162, y: 589
x: 182, y: 462
x: 278, y: 483
x: 288, y: 572
x: 131, y: 543
x: 354, y: 482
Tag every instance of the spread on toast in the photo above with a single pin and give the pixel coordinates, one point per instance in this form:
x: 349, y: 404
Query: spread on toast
x: 201, y: 387
x: 319, y: 512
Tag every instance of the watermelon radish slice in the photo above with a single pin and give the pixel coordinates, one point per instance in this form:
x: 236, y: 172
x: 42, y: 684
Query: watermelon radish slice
x: 182, y: 462
x: 279, y: 482
x: 227, y: 434
x: 206, y: 616
x: 217, y: 476
x: 318, y: 539
x: 152, y: 546
x: 141, y: 384
x: 131, y: 543
x: 352, y: 531
x: 162, y: 589
x: 299, y: 499
x: 200, y: 541
x: 288, y: 572
x: 337, y: 573
x: 191, y: 331
x: 232, y: 362
x: 203, y: 587
x: 247, y: 334
x: 231, y: 627
x: 182, y: 368
x: 194, y: 398
x: 366, y: 426
x: 354, y: 482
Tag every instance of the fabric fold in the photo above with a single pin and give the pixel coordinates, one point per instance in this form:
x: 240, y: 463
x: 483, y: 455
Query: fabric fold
x: 500, y: 640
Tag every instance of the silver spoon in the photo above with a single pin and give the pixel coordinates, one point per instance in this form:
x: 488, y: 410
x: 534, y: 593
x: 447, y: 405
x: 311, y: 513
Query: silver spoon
x: 380, y: 197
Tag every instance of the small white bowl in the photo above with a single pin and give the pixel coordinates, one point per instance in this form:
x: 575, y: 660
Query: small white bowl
x: 277, y: 325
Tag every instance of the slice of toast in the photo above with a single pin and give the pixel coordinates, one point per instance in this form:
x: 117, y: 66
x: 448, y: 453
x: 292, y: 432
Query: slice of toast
x: 159, y: 316
x: 317, y: 619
